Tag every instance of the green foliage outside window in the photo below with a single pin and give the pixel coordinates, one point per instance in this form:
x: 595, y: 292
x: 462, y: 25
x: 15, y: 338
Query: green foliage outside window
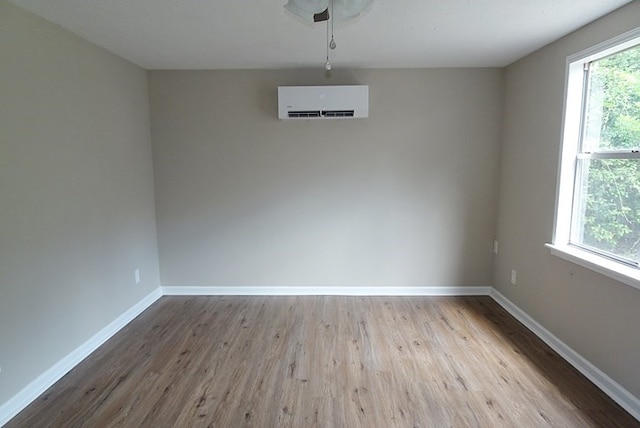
x: 611, y: 187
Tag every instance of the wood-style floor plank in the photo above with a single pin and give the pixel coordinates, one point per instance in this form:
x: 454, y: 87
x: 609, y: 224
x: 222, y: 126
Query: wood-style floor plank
x: 324, y: 362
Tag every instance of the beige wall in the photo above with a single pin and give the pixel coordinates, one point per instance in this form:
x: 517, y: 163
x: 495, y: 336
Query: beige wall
x: 406, y: 197
x: 595, y: 315
x: 76, y: 190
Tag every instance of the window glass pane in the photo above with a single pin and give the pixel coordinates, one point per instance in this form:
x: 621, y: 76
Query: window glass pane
x: 607, y: 216
x: 612, y: 111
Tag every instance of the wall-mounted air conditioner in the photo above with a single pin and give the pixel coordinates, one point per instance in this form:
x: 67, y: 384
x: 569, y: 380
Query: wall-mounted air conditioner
x: 323, y: 102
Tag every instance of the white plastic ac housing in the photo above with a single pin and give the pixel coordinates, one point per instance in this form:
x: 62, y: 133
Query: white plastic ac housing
x: 323, y: 102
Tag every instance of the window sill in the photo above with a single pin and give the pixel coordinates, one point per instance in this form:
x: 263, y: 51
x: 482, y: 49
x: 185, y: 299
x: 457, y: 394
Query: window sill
x: 625, y: 274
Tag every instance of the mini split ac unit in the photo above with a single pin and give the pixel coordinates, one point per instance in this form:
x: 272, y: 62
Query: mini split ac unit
x: 323, y: 102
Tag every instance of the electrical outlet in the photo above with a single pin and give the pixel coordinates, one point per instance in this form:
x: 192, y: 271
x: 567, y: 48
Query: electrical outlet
x: 136, y: 275
x: 514, y: 276
x: 495, y: 247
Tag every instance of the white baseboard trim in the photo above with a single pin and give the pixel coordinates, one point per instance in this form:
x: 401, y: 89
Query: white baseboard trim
x: 609, y: 386
x: 32, y: 391
x: 326, y: 291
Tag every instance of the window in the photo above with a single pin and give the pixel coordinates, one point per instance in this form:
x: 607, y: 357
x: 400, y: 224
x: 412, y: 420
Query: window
x: 598, y: 208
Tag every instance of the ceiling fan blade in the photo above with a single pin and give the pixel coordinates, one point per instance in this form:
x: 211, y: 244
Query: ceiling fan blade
x: 322, y: 16
x: 306, y: 9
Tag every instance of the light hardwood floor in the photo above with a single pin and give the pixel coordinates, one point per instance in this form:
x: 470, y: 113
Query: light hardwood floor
x: 324, y: 362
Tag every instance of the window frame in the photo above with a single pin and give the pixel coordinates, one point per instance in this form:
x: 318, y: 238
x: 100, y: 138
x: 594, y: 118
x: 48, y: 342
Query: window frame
x: 572, y: 129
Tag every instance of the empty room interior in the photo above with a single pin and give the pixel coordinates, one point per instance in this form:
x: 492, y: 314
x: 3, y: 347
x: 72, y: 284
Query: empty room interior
x: 455, y: 243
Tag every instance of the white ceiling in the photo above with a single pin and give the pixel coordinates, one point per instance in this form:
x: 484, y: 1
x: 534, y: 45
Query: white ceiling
x: 240, y: 34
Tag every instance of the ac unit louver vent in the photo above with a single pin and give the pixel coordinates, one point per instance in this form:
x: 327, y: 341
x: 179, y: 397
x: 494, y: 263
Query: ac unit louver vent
x: 316, y: 113
x: 313, y: 113
x: 338, y: 113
